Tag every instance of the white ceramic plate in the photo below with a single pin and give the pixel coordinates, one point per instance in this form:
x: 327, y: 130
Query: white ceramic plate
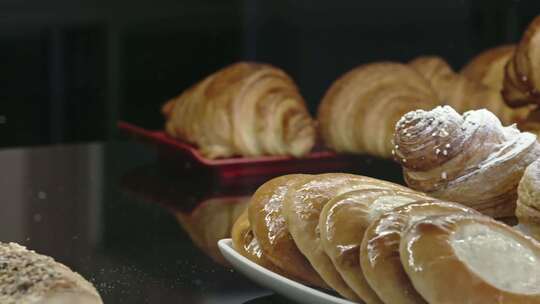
x: 264, y: 277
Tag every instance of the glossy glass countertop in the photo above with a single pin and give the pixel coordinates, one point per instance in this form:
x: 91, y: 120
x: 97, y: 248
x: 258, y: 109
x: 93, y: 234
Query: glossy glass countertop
x: 139, y: 229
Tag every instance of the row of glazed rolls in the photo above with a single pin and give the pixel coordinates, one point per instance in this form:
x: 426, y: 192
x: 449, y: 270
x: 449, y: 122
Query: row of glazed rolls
x: 378, y: 242
x: 252, y: 109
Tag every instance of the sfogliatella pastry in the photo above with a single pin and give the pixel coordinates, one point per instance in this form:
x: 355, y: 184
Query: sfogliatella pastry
x: 302, y: 208
x: 521, y: 83
x: 245, y: 109
x: 470, y: 159
x: 271, y: 231
x: 379, y: 252
x: 471, y: 259
x: 464, y: 94
x: 342, y: 224
x: 28, y: 277
x: 360, y: 109
x: 528, y: 204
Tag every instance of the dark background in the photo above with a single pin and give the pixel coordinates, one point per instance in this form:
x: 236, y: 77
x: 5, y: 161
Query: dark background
x: 71, y: 69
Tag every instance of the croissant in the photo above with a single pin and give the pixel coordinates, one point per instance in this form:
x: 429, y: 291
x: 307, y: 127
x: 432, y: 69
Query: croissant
x: 360, y: 109
x: 521, y: 83
x: 488, y: 66
x: 246, y: 109
x: 29, y: 277
x: 528, y: 204
x: 470, y: 159
x: 462, y: 93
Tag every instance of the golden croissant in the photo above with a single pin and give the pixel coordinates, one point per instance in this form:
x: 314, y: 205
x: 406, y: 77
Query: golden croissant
x: 360, y: 109
x: 488, y: 66
x: 470, y: 159
x: 521, y: 83
x: 463, y: 93
x: 246, y: 109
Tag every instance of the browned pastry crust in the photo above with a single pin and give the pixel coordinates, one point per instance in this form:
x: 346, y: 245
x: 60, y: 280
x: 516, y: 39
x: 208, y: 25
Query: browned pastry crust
x: 246, y: 109
x: 360, y: 109
x: 270, y: 229
x: 379, y: 253
x: 302, y: 207
x: 342, y: 224
x: 470, y: 159
x: 463, y: 258
x: 245, y: 243
x: 462, y: 93
x: 488, y: 66
x: 521, y: 83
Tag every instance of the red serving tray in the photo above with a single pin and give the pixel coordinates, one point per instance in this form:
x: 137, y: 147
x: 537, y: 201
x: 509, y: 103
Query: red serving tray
x: 186, y: 157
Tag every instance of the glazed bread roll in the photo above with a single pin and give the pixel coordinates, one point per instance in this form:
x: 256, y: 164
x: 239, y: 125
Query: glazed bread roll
x: 302, y: 207
x: 470, y: 159
x: 488, y: 66
x: 528, y: 204
x: 342, y: 223
x: 245, y: 243
x: 360, y: 109
x: 246, y: 109
x: 270, y: 229
x: 379, y: 252
x: 521, y: 83
x: 462, y: 93
x: 471, y: 259
x: 28, y: 277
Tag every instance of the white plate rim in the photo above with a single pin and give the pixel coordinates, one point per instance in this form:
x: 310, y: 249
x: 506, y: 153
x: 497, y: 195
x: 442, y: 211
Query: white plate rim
x: 226, y: 248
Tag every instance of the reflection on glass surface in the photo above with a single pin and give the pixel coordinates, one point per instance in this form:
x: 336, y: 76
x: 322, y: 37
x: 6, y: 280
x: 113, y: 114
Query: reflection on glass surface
x: 205, y: 216
x: 29, y: 189
x: 95, y: 209
x: 212, y: 221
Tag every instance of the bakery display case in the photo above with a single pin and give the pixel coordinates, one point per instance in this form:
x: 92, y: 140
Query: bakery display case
x: 270, y: 152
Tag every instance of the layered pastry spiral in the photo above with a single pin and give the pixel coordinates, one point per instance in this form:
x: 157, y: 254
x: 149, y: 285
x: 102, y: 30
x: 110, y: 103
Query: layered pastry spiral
x: 359, y: 110
x: 470, y: 159
x: 246, y: 109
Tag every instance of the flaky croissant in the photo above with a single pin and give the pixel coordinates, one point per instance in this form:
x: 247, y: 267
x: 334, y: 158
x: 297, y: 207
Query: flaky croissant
x: 246, y: 109
x: 528, y: 204
x: 521, y: 83
x: 360, y: 109
x: 463, y: 93
x: 488, y: 66
x: 470, y: 159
